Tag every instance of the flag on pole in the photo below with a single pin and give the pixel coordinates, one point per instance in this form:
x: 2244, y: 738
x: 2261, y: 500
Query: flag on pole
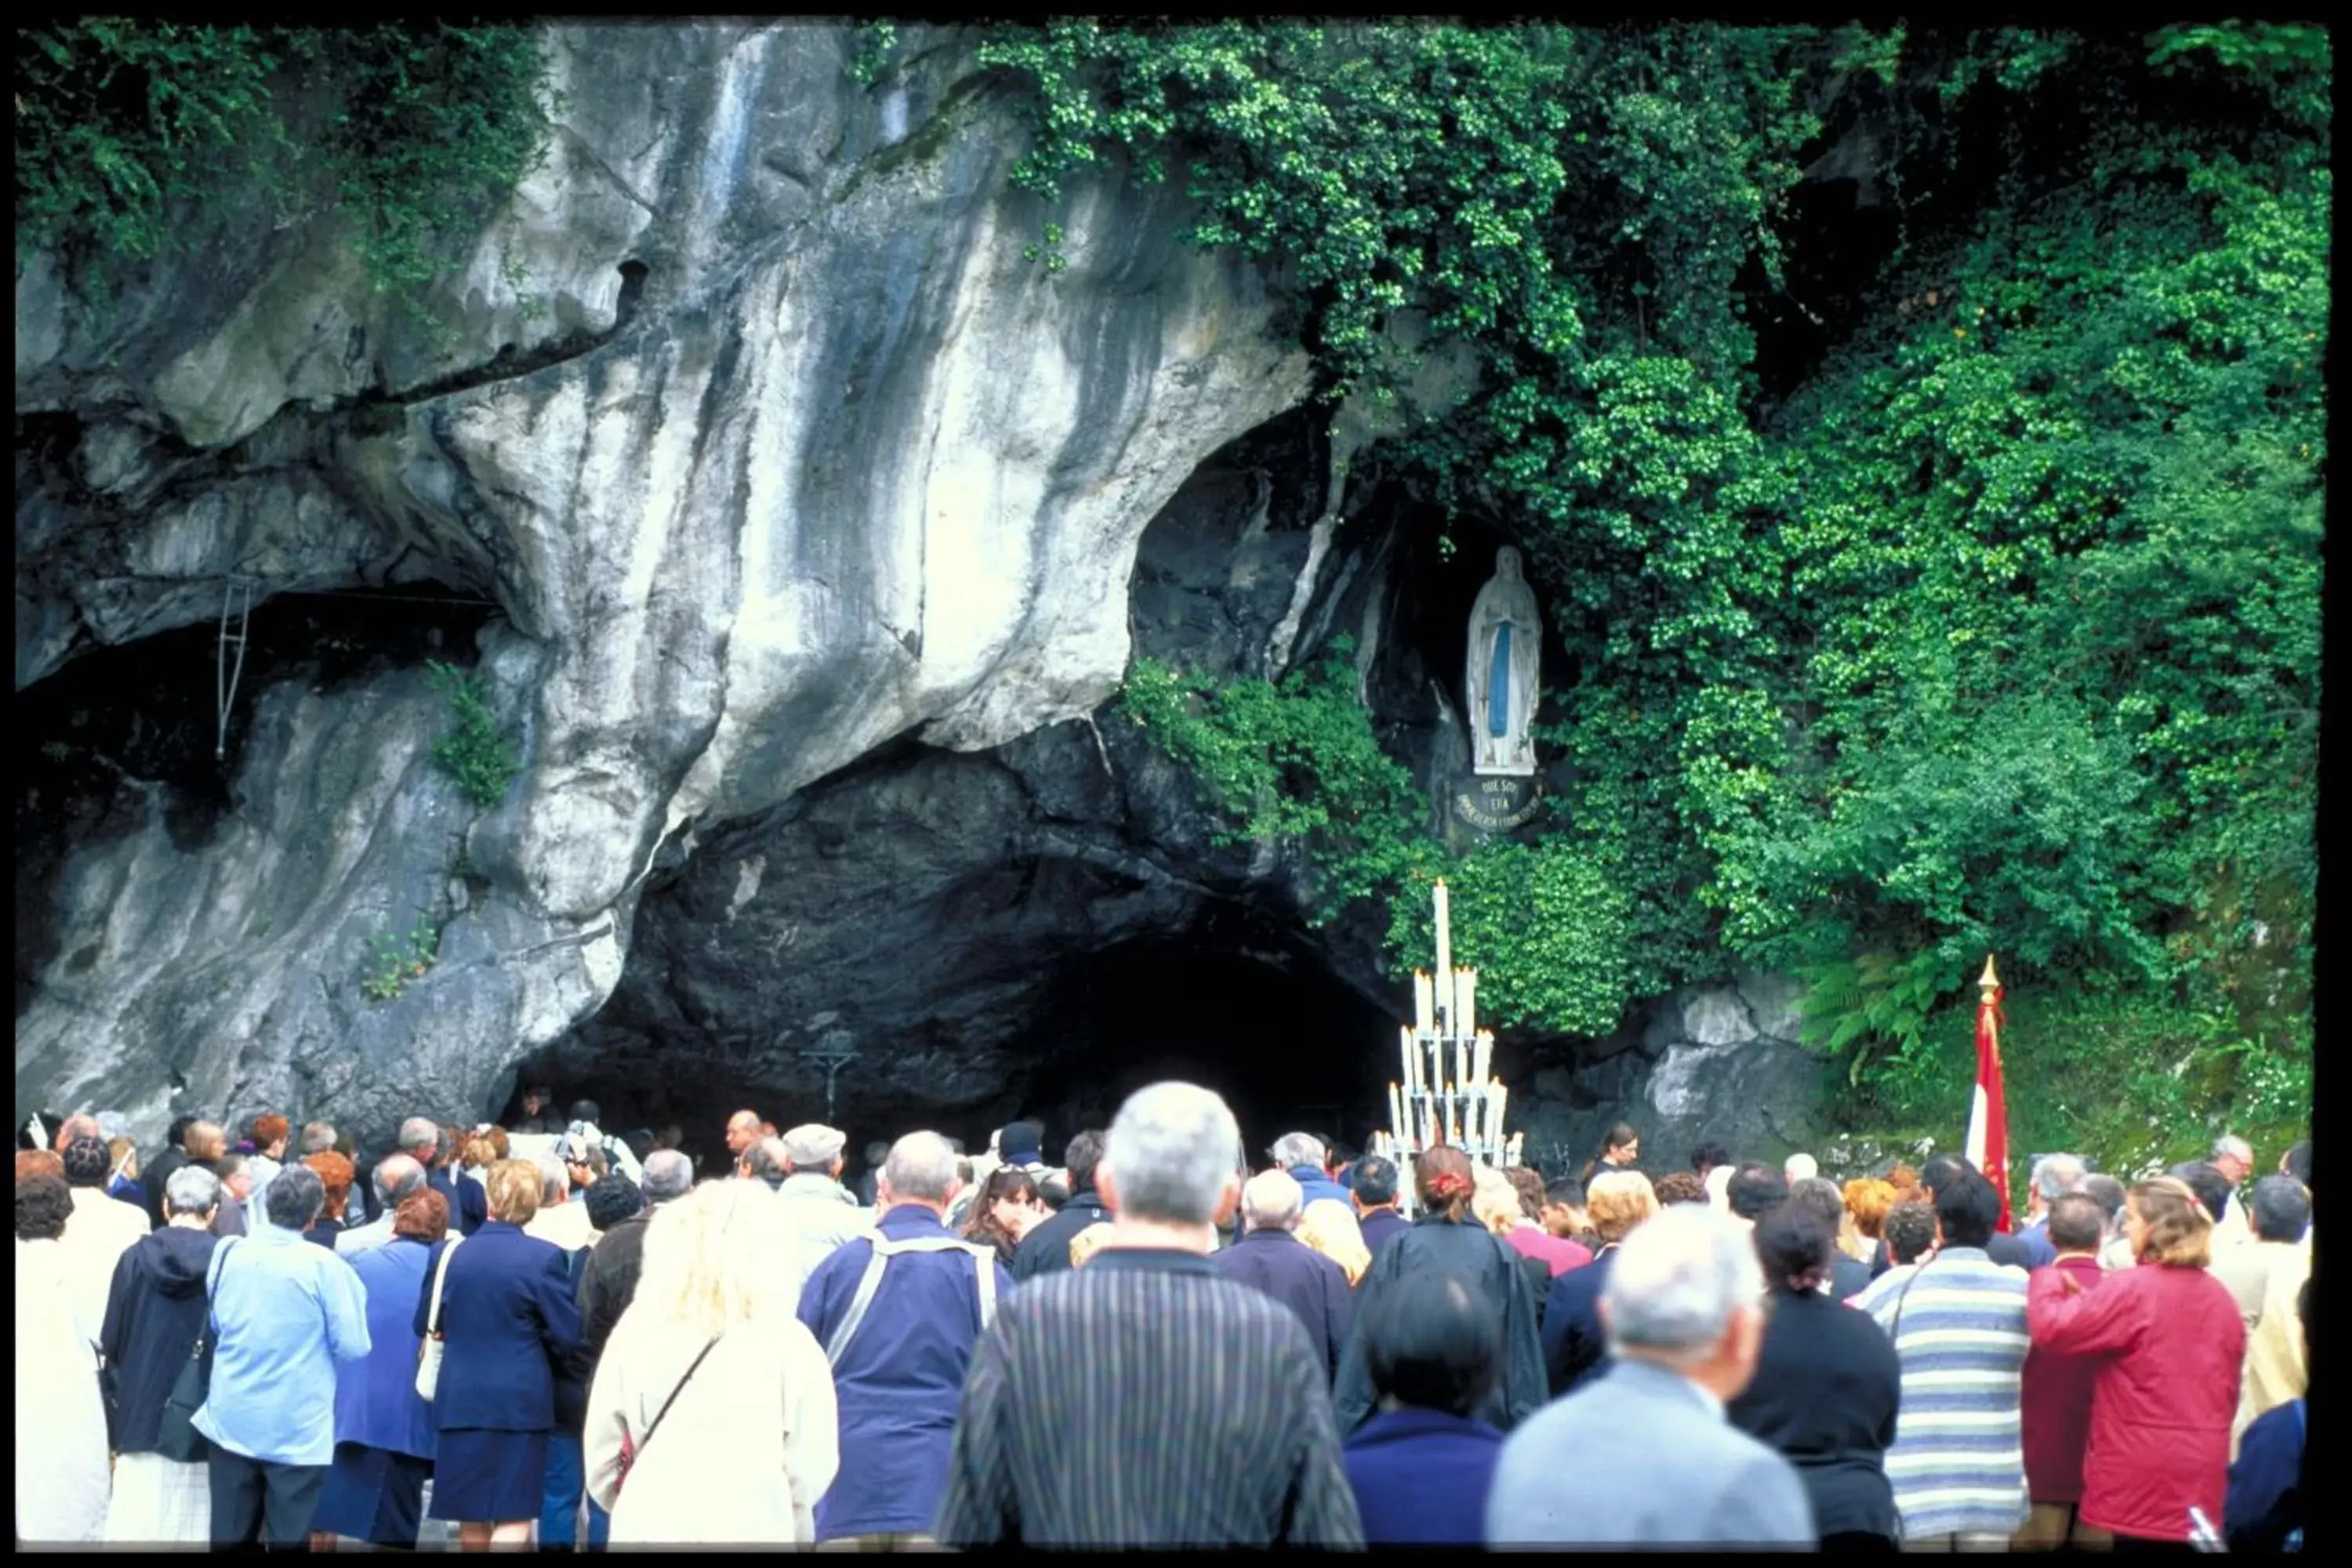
x: 1988, y: 1148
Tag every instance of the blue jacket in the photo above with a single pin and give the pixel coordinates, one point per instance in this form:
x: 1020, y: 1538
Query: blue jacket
x: 1382, y: 1226
x: 468, y: 1201
x: 898, y: 1380
x: 1313, y: 1287
x: 284, y: 1313
x: 376, y: 1402
x: 506, y: 1317
x: 154, y: 1310
x: 1575, y: 1348
x: 1315, y: 1185
x: 2265, y: 1503
x: 1421, y: 1477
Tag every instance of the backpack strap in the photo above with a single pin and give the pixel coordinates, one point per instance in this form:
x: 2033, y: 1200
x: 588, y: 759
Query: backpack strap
x: 870, y: 1283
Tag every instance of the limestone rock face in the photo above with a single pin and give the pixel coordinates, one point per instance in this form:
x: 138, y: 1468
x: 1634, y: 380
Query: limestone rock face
x: 762, y: 435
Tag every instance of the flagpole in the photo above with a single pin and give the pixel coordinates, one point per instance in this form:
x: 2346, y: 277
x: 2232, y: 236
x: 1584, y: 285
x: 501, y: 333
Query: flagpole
x: 1988, y: 1137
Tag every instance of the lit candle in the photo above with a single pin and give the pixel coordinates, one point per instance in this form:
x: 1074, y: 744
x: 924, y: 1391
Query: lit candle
x: 1497, y: 1096
x: 1424, y: 997
x: 1444, y: 943
x: 1473, y: 1124
x: 1482, y: 1060
x: 1396, y: 1105
x: 1465, y: 997
x: 1404, y: 1043
x: 1462, y: 1080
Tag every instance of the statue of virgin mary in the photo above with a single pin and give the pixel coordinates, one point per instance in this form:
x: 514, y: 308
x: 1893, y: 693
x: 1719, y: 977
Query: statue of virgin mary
x: 1506, y: 652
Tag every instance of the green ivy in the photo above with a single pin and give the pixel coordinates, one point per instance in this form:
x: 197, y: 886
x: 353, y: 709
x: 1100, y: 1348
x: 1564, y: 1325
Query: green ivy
x: 474, y: 752
x: 404, y: 131
x: 1999, y: 632
x: 396, y: 960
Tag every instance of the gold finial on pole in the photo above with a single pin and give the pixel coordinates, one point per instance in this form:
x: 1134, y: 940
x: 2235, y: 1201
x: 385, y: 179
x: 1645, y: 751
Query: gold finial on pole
x: 1987, y: 982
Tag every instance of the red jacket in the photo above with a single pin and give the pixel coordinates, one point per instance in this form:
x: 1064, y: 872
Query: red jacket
x: 2056, y: 1403
x: 2170, y: 1348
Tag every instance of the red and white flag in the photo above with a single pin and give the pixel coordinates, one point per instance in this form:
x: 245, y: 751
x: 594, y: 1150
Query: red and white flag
x: 1988, y: 1148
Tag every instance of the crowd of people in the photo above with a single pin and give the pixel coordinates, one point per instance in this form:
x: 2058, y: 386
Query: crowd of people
x: 275, y: 1342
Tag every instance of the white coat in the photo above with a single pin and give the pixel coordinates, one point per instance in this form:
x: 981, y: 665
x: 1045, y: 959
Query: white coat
x: 98, y: 1233
x: 61, y: 1461
x: 751, y: 1442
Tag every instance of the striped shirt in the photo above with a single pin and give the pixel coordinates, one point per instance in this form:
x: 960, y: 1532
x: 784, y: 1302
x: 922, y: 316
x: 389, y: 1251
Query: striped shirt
x: 1144, y: 1400
x: 1958, y: 1459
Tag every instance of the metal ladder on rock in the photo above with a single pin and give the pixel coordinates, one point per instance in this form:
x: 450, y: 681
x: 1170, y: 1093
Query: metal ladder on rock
x: 238, y: 592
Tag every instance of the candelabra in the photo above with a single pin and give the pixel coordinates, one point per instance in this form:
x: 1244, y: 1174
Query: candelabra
x: 1448, y: 1094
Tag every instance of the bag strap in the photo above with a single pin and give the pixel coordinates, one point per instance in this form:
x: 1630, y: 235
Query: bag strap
x: 870, y: 1283
x: 211, y: 1287
x: 654, y: 1425
x: 1895, y: 1334
x: 440, y: 1274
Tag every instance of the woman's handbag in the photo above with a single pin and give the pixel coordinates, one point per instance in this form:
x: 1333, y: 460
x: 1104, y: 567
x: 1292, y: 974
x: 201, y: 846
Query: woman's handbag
x: 630, y: 1448
x: 428, y: 1349
x: 176, y: 1438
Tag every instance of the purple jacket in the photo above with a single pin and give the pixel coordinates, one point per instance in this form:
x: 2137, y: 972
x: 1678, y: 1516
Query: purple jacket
x: 1421, y: 1477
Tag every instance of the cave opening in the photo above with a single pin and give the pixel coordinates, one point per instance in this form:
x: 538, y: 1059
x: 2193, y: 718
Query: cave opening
x: 1289, y: 1045
x: 1255, y: 1016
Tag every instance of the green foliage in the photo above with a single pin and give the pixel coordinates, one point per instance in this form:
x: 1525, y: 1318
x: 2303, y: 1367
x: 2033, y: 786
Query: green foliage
x: 1544, y: 924
x: 2133, y: 1078
x: 1294, y: 760
x: 1999, y: 632
x: 396, y: 960
x: 123, y: 124
x: 473, y: 751
x: 871, y: 53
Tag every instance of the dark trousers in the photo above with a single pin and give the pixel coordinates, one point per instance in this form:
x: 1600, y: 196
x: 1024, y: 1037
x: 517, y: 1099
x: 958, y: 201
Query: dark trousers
x: 255, y: 1500
x: 559, y: 1512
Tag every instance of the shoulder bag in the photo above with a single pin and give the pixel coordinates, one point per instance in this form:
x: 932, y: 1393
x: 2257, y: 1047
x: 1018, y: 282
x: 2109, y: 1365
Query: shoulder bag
x: 428, y: 1349
x: 176, y: 1438
x: 632, y: 1447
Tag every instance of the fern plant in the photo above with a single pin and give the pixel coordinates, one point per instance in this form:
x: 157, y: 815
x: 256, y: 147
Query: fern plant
x: 1864, y: 1008
x: 473, y: 751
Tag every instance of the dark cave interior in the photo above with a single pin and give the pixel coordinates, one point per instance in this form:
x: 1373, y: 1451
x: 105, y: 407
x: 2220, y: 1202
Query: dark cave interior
x: 1290, y: 1045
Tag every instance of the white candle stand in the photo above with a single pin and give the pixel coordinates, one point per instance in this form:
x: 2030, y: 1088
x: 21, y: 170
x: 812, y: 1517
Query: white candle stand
x: 1445, y: 1093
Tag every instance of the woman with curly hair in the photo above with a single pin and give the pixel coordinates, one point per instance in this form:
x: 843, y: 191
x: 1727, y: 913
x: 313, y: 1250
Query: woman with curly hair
x: 2171, y: 1347
x: 1007, y: 1209
x: 336, y: 1174
x: 1448, y: 1239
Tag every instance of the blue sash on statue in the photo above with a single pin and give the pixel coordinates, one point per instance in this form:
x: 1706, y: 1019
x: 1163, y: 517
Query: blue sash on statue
x: 1498, y: 685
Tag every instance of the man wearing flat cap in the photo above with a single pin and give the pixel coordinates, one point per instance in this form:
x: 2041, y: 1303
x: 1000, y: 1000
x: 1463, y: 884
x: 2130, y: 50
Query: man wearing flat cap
x: 823, y: 1213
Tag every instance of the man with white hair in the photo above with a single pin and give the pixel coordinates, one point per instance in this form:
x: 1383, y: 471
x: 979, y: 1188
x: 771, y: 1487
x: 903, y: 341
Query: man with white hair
x: 1799, y: 1167
x: 469, y: 1206
x: 898, y: 1312
x: 823, y: 1213
x: 1140, y: 1399
x: 562, y: 1218
x: 2234, y: 1158
x: 1303, y: 1154
x: 1269, y: 1258
x: 1684, y: 1316
x: 2055, y: 1175
x: 395, y: 1177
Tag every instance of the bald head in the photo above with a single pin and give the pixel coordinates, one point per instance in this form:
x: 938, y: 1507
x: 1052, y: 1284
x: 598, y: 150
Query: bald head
x: 397, y: 1177
x: 1272, y: 1201
x: 921, y: 1169
x: 742, y: 1131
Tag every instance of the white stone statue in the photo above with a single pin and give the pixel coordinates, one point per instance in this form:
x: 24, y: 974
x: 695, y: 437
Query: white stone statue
x: 1506, y: 651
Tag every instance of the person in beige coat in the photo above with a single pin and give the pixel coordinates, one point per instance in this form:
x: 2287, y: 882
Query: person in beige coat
x: 724, y: 1397
x: 100, y: 1231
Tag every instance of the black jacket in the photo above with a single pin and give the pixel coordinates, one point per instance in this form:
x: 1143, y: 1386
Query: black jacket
x: 610, y: 1281
x: 1046, y: 1249
x: 1483, y: 1261
x: 1849, y: 1276
x: 1313, y: 1286
x: 1824, y: 1395
x: 155, y: 1178
x: 155, y: 1310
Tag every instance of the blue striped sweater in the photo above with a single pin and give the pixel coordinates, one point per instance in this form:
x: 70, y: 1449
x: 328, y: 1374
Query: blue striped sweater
x: 1958, y: 1325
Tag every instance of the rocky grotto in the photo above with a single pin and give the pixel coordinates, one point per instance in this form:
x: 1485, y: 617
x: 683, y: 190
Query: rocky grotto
x: 801, y: 533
